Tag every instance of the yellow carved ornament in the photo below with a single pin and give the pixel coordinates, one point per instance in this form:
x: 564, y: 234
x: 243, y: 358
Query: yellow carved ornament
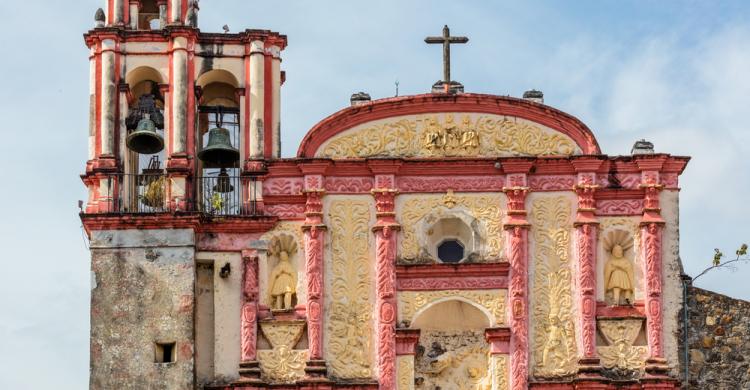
x: 621, y: 353
x: 349, y: 325
x: 554, y: 350
x: 500, y: 372
x: 485, y: 208
x: 405, y: 372
x: 450, y: 135
x: 282, y: 363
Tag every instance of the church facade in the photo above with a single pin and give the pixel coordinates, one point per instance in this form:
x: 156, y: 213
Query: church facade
x: 447, y: 240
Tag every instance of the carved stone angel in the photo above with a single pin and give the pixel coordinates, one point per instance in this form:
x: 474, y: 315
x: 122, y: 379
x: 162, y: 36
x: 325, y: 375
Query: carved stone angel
x: 619, y: 280
x: 283, y: 280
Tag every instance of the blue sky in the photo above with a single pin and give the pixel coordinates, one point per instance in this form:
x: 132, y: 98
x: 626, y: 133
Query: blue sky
x: 676, y: 73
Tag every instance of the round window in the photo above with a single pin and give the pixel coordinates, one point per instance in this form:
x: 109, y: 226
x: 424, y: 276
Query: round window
x: 450, y: 251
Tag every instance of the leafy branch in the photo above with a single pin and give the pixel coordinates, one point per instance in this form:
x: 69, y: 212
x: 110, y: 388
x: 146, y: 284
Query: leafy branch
x: 742, y: 257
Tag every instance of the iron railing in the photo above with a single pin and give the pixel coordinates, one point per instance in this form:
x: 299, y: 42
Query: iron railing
x: 227, y: 195
x: 144, y: 193
x: 147, y: 194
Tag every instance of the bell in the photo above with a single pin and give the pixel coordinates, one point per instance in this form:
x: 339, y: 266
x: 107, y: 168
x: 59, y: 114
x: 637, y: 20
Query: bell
x: 223, y: 185
x: 144, y: 139
x: 219, y: 150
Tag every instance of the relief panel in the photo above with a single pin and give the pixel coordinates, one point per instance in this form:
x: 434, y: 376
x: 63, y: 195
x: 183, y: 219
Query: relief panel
x: 349, y: 324
x: 554, y: 349
x: 449, y: 134
x: 411, y: 210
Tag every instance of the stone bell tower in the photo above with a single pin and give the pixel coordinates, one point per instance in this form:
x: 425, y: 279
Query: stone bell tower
x: 182, y: 124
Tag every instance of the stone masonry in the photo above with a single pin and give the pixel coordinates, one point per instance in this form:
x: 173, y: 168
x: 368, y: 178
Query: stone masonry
x: 718, y: 341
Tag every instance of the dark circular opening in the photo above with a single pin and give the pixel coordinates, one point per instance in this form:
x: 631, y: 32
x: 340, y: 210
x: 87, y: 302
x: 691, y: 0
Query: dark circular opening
x: 450, y: 251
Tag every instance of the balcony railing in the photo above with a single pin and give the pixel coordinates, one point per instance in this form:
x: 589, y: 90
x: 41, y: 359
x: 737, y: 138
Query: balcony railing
x: 148, y: 194
x: 226, y: 196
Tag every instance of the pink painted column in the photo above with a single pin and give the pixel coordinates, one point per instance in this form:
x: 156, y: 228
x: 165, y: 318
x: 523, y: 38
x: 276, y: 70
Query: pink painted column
x: 651, y: 237
x: 517, y: 236
x: 386, y: 233
x: 315, y: 232
x: 586, y: 225
x: 249, y: 368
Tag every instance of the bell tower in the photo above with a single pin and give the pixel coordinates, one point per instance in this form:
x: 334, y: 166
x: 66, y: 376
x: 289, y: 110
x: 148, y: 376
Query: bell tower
x: 182, y: 125
x: 162, y: 91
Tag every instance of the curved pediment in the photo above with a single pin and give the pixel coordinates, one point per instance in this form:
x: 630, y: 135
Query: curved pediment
x: 435, y: 126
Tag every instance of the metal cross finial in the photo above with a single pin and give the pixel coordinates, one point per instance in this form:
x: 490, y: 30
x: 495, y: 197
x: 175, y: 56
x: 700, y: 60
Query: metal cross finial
x: 446, y: 40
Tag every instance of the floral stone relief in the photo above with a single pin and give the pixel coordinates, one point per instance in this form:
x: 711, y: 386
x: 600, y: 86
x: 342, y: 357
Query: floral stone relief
x: 554, y: 351
x: 349, y: 324
x: 620, y: 354
x: 447, y: 135
x: 282, y: 363
x: 484, y: 208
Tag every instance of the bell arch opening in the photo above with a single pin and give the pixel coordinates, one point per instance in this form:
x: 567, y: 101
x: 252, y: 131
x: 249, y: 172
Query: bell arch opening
x: 219, y: 143
x: 144, y: 142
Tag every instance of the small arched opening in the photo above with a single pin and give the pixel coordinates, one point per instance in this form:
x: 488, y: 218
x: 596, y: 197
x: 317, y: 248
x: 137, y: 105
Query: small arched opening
x: 452, y: 350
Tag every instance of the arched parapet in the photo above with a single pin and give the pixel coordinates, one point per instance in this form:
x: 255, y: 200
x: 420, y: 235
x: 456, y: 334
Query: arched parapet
x: 463, y: 125
x: 412, y: 304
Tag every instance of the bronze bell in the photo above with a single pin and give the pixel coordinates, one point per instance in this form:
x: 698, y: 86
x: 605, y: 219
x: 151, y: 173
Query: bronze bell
x: 219, y: 150
x: 223, y: 184
x: 144, y: 139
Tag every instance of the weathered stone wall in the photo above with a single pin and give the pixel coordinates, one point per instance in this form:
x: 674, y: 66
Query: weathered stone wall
x: 142, y: 293
x: 718, y: 341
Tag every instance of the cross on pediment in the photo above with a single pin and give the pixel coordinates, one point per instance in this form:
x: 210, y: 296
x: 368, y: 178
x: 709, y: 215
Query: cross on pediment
x: 446, y: 40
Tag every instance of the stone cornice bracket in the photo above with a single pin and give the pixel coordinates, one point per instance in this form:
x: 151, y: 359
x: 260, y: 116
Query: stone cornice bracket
x: 516, y: 214
x: 406, y: 341
x: 499, y: 340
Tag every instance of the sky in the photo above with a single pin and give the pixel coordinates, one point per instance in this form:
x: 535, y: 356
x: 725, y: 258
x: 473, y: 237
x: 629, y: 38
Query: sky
x: 675, y: 73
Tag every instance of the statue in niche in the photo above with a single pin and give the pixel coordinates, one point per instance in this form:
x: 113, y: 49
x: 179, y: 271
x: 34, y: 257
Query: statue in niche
x: 283, y: 280
x: 619, y: 280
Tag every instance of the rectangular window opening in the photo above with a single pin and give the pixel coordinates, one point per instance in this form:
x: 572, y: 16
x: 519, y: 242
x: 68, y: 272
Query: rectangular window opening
x: 165, y: 353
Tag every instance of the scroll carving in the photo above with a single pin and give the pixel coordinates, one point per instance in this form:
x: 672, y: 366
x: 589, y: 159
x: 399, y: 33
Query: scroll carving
x: 249, y: 315
x: 485, y: 208
x: 445, y: 135
x: 283, y: 186
x: 652, y: 243
x: 443, y: 184
x: 405, y: 372
x: 587, y: 287
x: 412, y: 302
x: 348, y: 185
x: 500, y: 372
x: 551, y: 183
x: 619, y: 207
x: 518, y: 237
x: 350, y: 317
x: 286, y: 211
x: 554, y: 351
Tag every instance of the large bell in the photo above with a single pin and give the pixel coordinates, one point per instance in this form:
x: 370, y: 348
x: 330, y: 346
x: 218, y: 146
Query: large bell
x: 223, y: 183
x: 144, y: 139
x: 219, y: 150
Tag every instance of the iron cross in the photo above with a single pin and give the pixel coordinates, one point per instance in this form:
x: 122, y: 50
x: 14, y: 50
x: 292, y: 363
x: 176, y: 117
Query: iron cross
x: 446, y: 40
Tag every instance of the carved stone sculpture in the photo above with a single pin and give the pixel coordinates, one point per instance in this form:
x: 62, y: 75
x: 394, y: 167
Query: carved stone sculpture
x: 283, y: 278
x: 619, y: 280
x: 620, y: 354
